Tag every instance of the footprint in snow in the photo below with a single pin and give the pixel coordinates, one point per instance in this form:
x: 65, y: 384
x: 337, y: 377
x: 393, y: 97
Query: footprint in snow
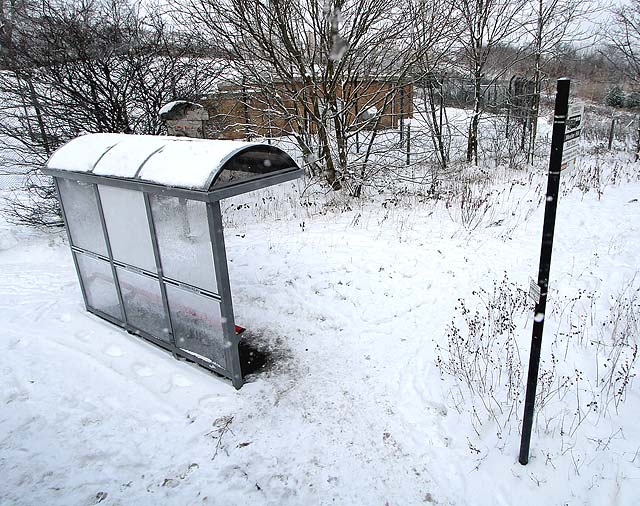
x: 113, y: 351
x: 142, y: 370
x: 15, y: 394
x: 161, y: 417
x: 65, y: 317
x: 212, y: 401
x: 180, y: 381
x: 82, y: 336
x: 14, y: 343
x: 170, y: 482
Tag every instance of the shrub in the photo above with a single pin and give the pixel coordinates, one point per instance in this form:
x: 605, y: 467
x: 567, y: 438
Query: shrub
x: 615, y: 97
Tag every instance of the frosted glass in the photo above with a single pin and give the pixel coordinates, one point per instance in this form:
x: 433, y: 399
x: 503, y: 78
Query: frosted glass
x: 83, y: 217
x: 127, y: 226
x: 97, y: 279
x: 143, y: 303
x: 183, y: 240
x: 197, y: 324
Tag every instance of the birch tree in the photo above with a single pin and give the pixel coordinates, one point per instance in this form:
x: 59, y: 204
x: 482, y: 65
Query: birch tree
x: 552, y: 22
x: 486, y: 26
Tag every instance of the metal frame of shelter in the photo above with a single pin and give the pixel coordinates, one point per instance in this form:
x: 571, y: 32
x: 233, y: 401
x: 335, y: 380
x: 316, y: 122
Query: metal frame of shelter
x: 195, y: 316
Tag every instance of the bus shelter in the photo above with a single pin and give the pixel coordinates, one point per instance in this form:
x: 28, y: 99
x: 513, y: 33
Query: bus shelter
x: 145, y: 228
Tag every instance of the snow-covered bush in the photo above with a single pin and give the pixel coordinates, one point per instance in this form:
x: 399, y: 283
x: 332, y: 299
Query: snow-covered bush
x: 469, y: 202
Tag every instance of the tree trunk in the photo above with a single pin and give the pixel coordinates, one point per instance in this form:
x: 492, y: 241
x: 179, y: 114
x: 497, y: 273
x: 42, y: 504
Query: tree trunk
x: 537, y: 78
x: 437, y: 122
x: 472, y: 140
x: 341, y: 138
x: 330, y: 168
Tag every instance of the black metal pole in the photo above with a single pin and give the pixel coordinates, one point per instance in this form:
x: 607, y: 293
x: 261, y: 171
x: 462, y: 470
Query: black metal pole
x: 553, y: 184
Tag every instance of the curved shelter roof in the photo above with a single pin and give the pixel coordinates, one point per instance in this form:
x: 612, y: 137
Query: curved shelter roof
x: 176, y: 162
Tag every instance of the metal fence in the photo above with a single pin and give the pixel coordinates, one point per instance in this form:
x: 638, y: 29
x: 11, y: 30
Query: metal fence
x: 497, y: 95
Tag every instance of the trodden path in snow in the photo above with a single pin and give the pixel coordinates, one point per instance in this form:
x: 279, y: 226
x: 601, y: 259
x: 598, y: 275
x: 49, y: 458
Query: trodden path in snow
x: 94, y: 415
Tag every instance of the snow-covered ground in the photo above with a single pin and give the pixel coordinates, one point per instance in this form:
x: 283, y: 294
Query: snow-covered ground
x: 353, y: 299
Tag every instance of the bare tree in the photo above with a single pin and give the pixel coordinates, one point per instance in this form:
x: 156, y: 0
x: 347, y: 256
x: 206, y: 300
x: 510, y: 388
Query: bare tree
x: 487, y: 25
x: 437, y: 29
x: 330, y: 71
x: 623, y: 37
x: 552, y: 22
x: 624, y: 41
x: 76, y: 67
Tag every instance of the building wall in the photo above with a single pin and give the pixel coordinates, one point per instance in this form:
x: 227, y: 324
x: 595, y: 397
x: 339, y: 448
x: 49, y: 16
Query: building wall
x: 241, y: 113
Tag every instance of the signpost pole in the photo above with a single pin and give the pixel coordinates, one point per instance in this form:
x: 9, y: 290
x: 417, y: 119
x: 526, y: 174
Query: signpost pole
x: 553, y: 184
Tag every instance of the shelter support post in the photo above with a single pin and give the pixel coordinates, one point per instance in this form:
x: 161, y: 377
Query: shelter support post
x: 231, y: 339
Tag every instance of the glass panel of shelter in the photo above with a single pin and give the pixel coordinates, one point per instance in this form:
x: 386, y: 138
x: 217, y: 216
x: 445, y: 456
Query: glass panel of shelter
x: 186, y: 257
x: 82, y: 215
x: 197, y: 324
x: 143, y: 303
x: 182, y: 232
x: 127, y: 226
x: 186, y: 254
x: 97, y: 280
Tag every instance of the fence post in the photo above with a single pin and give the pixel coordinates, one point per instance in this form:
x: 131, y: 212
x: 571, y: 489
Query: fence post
x: 356, y: 121
x: 269, y: 111
x: 638, y: 145
x: 408, y: 144
x: 401, y: 112
x: 611, y: 130
x: 441, y: 101
x: 509, y: 106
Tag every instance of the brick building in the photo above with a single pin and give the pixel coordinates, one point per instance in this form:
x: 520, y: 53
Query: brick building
x: 237, y: 111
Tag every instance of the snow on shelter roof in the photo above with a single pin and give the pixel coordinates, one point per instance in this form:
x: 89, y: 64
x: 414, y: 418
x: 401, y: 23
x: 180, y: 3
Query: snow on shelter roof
x: 180, y: 162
